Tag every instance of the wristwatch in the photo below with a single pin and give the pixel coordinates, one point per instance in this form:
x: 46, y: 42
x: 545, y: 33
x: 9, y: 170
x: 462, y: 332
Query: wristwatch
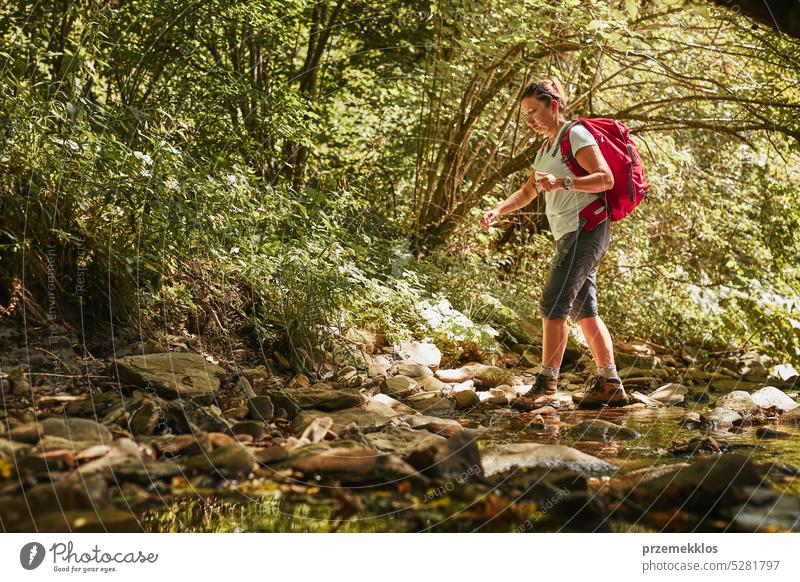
x: 568, y: 182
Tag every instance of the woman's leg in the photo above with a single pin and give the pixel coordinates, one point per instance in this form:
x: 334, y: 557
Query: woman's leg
x: 554, y: 340
x: 599, y: 340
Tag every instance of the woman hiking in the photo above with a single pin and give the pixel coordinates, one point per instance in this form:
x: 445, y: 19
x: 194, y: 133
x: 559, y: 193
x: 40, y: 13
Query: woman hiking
x: 571, y: 288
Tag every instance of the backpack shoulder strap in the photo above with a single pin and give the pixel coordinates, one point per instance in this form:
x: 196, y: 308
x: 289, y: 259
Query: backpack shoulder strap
x: 566, y: 152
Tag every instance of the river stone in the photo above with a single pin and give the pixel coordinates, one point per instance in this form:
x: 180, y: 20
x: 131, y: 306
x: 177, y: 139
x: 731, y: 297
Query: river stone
x: 261, y: 407
x: 705, y: 487
x: 78, y: 429
x: 423, y: 353
x: 491, y: 376
x: 341, y: 418
x: 315, y: 398
x: 430, y: 403
x: 430, y: 384
x: 459, y: 375
x: 529, y: 455
x: 646, y: 400
x: 465, y: 397
x: 145, y: 419
x: 413, y: 370
x: 771, y: 397
x: 792, y: 417
x: 720, y: 418
x: 107, y: 520
x: 764, y: 432
x: 738, y: 401
x: 231, y: 460
x: 172, y: 375
x: 399, y: 439
x: 385, y: 404
x: 671, y: 394
x: 457, y: 456
x: 353, y: 465
x: 602, y: 430
x: 399, y: 386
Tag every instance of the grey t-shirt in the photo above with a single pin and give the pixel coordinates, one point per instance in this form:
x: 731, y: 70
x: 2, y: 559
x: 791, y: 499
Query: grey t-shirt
x: 562, y: 206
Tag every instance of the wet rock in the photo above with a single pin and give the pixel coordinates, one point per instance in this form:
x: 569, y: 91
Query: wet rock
x: 623, y: 483
x: 261, y: 408
x: 764, y: 432
x: 423, y: 353
x: 770, y: 397
x: 637, y: 396
x: 671, y: 394
x: 602, y: 430
x: 738, y: 401
x: 232, y: 460
x: 77, y: 429
x: 441, y: 458
x: 698, y: 446
x: 353, y: 465
x: 720, y: 418
x: 691, y: 420
x: 535, y: 404
x: 791, y: 417
x: 399, y: 386
x: 709, y: 488
x: 171, y: 375
x: 529, y: 455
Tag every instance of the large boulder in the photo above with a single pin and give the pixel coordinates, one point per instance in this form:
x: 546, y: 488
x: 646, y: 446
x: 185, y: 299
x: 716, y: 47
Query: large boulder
x: 771, y: 397
x: 172, y: 375
x: 738, y: 401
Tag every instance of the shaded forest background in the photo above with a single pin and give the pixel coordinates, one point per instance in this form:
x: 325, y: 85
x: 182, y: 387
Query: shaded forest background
x: 264, y: 171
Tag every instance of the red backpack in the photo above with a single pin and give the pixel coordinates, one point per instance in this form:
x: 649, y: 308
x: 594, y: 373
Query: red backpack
x: 622, y: 156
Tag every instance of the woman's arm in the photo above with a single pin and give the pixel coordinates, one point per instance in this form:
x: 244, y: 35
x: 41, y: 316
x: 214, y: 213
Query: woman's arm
x: 598, y: 179
x: 517, y: 200
x: 520, y: 198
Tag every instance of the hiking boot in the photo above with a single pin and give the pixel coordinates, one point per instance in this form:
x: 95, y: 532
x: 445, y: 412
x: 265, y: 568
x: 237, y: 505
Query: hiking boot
x: 543, y: 393
x: 601, y: 392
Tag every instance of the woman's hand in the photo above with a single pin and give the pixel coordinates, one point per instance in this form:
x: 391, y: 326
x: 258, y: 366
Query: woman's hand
x: 548, y: 182
x: 488, y: 218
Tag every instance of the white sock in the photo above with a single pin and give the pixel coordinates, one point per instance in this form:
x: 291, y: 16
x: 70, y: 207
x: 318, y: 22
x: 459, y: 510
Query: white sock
x: 608, y: 372
x: 549, y: 372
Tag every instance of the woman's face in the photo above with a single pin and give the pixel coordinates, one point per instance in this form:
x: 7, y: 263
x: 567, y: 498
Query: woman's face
x: 540, y: 117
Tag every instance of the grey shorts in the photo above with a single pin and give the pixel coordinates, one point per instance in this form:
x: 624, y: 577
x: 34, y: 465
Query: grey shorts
x: 571, y: 288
